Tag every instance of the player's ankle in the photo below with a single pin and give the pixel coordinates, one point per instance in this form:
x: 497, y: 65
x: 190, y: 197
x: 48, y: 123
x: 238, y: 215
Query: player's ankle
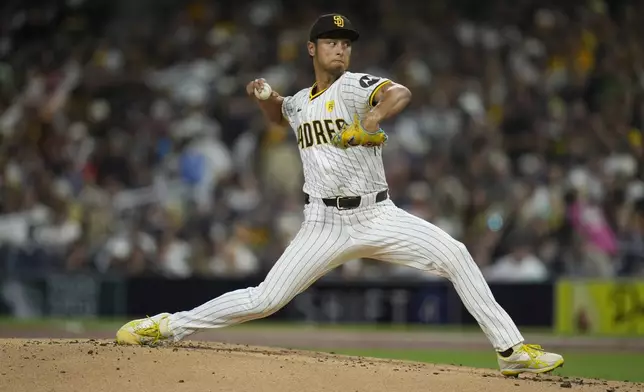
x: 510, y: 351
x: 164, y: 327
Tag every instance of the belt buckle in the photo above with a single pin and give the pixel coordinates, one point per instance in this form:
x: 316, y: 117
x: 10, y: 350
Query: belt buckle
x: 337, y: 203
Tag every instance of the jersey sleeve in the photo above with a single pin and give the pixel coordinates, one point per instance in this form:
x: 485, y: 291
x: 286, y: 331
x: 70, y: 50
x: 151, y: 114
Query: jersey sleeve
x: 287, y: 108
x: 362, y: 88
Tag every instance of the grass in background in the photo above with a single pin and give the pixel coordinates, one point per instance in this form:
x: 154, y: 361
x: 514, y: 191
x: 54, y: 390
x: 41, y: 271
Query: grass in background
x: 101, y: 324
x: 609, y: 366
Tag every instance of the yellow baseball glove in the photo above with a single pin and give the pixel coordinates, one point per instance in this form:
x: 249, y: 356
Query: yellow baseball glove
x: 352, y: 135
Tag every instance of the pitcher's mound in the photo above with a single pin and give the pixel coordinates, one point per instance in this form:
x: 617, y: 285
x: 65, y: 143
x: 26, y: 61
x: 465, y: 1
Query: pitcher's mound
x: 101, y: 366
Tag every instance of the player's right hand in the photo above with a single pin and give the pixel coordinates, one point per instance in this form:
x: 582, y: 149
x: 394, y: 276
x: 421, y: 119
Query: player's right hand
x: 257, y: 84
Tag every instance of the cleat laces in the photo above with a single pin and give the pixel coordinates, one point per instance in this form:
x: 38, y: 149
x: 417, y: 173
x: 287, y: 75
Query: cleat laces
x: 150, y: 329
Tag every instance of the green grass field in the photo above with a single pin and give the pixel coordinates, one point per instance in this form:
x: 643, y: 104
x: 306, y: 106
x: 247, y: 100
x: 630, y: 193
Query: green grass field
x: 589, y: 364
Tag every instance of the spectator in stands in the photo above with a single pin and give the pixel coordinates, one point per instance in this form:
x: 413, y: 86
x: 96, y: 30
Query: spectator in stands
x: 128, y: 251
x: 596, y: 238
x: 520, y: 265
x: 174, y: 256
x: 632, y: 244
x: 60, y: 234
x: 232, y: 254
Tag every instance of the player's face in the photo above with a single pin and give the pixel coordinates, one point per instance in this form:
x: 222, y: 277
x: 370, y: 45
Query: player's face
x: 332, y: 54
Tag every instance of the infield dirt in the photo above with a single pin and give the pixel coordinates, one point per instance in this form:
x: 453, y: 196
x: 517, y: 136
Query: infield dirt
x: 89, y: 365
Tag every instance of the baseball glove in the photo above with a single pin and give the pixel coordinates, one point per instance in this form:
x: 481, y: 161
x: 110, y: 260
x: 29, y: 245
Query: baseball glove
x: 352, y: 135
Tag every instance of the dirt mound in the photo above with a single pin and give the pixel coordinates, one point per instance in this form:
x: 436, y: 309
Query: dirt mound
x: 101, y: 366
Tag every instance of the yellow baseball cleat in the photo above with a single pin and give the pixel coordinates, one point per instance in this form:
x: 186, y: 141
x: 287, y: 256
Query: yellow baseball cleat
x: 529, y: 358
x: 148, y: 331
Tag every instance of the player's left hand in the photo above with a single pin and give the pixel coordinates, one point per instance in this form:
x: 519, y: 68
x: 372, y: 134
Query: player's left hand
x: 354, y: 134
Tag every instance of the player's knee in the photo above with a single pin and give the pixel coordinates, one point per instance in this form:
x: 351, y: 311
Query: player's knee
x: 264, y: 302
x: 453, y: 255
x: 267, y: 305
x: 460, y: 248
x: 452, y: 251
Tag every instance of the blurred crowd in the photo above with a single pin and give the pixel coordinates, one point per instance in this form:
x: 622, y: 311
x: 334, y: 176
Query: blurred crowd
x: 128, y: 146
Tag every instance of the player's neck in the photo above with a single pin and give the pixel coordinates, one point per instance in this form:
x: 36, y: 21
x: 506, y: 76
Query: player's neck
x: 323, y: 80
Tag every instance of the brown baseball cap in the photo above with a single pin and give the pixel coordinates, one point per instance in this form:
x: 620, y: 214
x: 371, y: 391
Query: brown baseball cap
x: 333, y: 26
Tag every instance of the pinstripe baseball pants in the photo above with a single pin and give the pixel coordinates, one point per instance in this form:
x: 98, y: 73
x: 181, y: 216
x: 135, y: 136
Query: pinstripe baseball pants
x: 329, y: 237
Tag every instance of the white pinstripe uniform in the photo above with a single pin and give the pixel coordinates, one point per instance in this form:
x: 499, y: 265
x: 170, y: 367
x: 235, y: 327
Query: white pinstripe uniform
x: 330, y: 236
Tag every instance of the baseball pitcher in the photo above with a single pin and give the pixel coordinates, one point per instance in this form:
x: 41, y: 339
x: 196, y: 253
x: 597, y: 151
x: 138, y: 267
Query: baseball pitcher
x: 348, y: 213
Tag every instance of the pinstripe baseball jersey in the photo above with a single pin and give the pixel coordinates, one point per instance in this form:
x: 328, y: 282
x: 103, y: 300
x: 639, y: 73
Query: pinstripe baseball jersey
x: 329, y: 237
x: 316, y: 116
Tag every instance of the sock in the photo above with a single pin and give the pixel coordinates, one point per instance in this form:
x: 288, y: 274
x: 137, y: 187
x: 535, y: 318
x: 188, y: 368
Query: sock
x: 164, y: 327
x: 509, y: 351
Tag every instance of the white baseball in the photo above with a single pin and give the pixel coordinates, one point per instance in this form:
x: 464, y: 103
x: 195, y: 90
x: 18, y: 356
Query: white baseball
x: 264, y: 93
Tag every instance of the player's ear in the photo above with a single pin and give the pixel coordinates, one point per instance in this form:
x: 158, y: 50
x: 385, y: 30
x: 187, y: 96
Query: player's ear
x: 311, y: 48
